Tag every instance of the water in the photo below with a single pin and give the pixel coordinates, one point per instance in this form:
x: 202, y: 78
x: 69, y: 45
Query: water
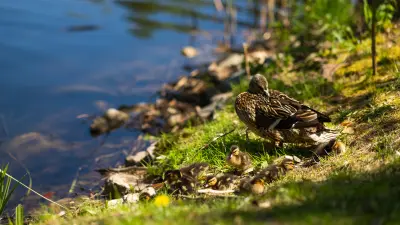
x: 51, y: 71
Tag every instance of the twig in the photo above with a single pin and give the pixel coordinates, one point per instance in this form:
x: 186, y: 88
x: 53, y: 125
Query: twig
x: 218, y: 5
x: 246, y: 59
x: 215, y: 192
x: 37, y: 193
x: 125, y: 169
x: 216, y: 138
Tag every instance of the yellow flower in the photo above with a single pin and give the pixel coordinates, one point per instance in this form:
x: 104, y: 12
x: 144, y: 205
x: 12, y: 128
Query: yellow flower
x: 161, y: 200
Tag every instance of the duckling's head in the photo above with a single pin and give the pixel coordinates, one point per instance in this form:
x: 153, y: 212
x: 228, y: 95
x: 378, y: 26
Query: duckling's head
x: 258, y: 85
x: 234, y: 156
x: 288, y: 164
x: 257, y: 185
x: 211, y: 181
x: 172, y: 175
x: 235, y: 150
x: 338, y: 147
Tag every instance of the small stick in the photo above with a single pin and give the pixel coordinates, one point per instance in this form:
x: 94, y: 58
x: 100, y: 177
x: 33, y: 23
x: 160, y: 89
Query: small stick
x: 123, y: 169
x: 23, y: 185
x: 218, y: 5
x: 216, y: 192
x: 246, y: 59
x: 216, y: 138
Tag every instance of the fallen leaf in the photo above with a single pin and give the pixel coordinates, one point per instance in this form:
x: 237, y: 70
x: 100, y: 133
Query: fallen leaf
x: 348, y: 130
x: 346, y: 123
x: 49, y: 194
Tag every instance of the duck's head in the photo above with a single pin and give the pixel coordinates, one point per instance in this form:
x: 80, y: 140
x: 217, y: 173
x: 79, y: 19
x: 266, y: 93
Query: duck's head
x: 234, y: 155
x: 172, y: 175
x: 258, y: 85
x: 235, y: 150
x: 288, y: 164
x: 257, y: 185
x: 211, y: 182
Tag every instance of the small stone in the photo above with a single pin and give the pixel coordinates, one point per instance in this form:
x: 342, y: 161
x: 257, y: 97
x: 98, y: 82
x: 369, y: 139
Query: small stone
x: 62, y: 213
x: 264, y: 204
x: 189, y: 51
x: 348, y: 130
x: 135, y: 159
x: 131, y: 198
x: 116, y: 116
x: 115, y: 203
x: 147, y: 193
x: 296, y: 159
x: 121, y: 183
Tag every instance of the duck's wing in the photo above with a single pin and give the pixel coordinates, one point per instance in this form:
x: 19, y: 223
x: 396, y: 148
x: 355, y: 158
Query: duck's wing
x: 290, y: 112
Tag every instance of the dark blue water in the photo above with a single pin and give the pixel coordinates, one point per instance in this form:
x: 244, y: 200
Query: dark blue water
x: 49, y: 75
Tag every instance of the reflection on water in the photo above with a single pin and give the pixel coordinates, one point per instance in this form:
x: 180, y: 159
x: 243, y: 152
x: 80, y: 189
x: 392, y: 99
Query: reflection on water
x: 60, y: 57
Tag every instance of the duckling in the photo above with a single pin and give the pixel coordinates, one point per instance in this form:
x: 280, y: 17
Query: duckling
x: 334, y: 146
x: 254, y: 185
x: 179, y: 183
x: 257, y: 185
x: 339, y: 147
x: 195, y: 170
x: 224, y: 182
x: 274, y: 172
x: 240, y: 160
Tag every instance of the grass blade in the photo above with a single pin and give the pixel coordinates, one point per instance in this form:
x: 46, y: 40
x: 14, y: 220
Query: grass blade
x: 19, y: 215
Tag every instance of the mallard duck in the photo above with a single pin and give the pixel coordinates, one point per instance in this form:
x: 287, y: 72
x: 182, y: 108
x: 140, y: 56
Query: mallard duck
x: 274, y: 115
x: 238, y: 159
x: 223, y: 182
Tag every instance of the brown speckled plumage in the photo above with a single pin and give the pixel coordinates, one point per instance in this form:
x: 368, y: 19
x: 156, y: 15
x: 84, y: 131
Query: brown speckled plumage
x: 259, y: 108
x: 222, y: 182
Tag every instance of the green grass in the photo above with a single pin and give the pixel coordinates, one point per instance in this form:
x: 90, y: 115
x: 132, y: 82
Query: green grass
x: 6, y: 189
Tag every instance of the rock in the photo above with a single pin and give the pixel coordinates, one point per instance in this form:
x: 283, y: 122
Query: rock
x: 189, y: 51
x: 114, y: 203
x: 144, y: 155
x: 218, y: 101
x: 224, y: 68
x: 111, y: 120
x: 118, y: 184
x: 116, y: 118
x: 189, y: 90
x: 147, y: 193
x: 135, y: 159
x: 131, y: 198
x: 99, y: 126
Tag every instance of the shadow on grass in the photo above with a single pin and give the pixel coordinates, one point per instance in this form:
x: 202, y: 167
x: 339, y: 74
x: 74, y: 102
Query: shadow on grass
x: 346, y: 197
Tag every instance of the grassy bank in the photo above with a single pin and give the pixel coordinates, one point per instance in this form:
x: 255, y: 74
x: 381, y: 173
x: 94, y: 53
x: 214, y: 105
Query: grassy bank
x: 360, y: 186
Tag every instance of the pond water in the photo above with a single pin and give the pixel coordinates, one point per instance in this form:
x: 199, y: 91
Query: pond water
x: 60, y: 59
